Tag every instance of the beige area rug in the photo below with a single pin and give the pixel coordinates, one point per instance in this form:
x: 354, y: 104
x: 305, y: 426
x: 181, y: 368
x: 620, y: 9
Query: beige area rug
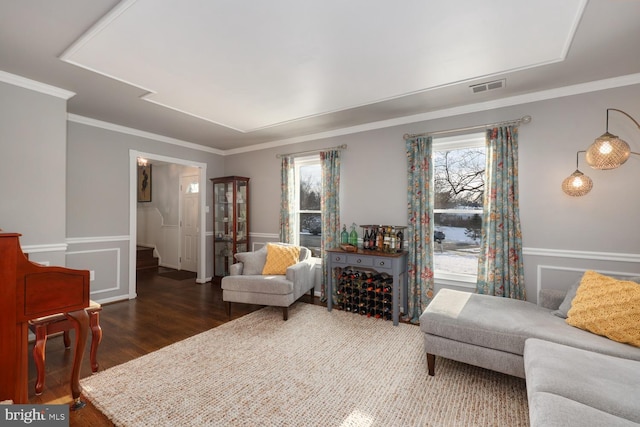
x: 316, y: 369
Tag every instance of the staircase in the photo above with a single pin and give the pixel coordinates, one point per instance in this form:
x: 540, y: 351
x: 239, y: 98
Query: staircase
x: 145, y: 259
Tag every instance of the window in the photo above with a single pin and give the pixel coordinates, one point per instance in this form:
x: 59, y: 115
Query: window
x: 459, y: 178
x: 308, y: 193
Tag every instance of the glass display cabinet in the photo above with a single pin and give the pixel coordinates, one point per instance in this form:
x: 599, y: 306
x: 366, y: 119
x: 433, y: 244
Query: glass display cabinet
x: 230, y: 221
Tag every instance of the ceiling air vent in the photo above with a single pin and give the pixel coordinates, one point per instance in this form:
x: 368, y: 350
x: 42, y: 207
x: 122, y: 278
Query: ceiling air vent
x: 483, y: 87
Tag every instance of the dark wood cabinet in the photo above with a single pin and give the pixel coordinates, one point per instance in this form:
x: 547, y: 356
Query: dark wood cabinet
x: 230, y: 221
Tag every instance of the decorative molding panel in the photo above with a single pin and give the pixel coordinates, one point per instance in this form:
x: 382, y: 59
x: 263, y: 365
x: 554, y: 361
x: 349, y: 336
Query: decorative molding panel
x: 99, y: 239
x: 116, y: 286
x: 540, y: 268
x: 56, y: 247
x: 600, y: 256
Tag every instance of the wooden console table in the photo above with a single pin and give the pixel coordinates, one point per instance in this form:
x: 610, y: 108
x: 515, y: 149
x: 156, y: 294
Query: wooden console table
x: 394, y: 264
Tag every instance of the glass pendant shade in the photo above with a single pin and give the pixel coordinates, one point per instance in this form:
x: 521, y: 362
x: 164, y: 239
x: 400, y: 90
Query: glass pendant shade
x: 577, y: 184
x: 608, y: 152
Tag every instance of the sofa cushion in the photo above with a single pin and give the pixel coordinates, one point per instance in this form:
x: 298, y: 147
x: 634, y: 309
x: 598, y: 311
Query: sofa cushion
x: 565, y: 306
x: 608, y: 307
x: 602, y: 382
x: 563, y: 310
x: 279, y: 258
x: 276, y: 285
x: 253, y: 262
x: 551, y: 410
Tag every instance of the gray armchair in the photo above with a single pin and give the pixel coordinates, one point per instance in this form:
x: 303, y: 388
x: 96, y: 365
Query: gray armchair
x: 246, y: 284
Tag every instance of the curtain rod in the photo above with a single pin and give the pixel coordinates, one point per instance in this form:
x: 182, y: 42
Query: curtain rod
x: 522, y: 120
x: 339, y: 147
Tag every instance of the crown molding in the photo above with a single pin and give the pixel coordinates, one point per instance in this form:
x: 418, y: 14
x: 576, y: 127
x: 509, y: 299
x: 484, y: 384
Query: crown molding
x: 140, y: 133
x: 561, y: 92
x: 23, y: 82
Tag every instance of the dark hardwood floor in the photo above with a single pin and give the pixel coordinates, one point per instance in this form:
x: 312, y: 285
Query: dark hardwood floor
x: 165, y: 311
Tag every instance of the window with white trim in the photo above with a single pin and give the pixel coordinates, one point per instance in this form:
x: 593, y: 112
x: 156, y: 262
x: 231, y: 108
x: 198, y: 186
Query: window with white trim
x: 308, y: 215
x: 458, y: 191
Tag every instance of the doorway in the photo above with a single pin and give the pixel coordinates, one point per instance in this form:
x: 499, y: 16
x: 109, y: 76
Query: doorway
x: 188, y: 222
x: 196, y: 250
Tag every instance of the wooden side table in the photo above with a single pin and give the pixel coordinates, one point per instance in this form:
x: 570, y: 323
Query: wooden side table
x: 394, y: 264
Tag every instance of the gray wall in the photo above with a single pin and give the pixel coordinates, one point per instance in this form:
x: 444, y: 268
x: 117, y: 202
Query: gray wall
x: 562, y: 235
x: 98, y: 200
x: 65, y: 185
x: 33, y: 171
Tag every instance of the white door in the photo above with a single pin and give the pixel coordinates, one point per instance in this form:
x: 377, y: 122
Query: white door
x: 189, y: 208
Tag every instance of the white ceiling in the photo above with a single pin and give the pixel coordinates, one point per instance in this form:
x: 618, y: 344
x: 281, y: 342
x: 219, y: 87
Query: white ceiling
x: 229, y: 74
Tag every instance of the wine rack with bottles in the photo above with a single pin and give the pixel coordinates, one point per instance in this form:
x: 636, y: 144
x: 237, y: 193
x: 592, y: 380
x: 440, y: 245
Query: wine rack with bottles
x: 373, y: 282
x: 367, y: 293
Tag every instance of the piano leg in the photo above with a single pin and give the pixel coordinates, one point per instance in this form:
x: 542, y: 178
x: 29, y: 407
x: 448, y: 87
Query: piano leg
x: 80, y: 321
x: 39, y: 357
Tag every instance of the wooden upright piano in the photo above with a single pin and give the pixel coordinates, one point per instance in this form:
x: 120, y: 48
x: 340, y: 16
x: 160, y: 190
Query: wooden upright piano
x: 29, y: 291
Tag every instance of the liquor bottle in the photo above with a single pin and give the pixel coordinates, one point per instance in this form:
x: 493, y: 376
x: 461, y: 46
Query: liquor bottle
x: 386, y: 240
x: 400, y: 242
x: 344, y: 236
x: 365, y: 239
x: 392, y: 240
x: 380, y: 239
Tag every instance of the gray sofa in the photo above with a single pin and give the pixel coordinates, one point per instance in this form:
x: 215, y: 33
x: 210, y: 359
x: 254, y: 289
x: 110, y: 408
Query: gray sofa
x: 567, y: 386
x: 493, y: 333
x: 246, y: 284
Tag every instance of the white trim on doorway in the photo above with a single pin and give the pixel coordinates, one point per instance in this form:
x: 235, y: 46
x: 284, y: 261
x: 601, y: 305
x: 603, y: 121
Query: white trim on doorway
x: 133, y: 202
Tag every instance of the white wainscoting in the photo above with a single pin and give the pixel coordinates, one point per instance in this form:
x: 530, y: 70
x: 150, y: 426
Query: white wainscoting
x: 559, y: 269
x: 107, y: 258
x: 48, y: 254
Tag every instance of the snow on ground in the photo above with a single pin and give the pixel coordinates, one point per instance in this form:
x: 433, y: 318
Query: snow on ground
x: 455, y: 263
x: 449, y: 257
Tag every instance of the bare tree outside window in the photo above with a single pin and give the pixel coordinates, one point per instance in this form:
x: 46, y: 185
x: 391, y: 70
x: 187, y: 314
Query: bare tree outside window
x: 459, y: 183
x: 310, y: 216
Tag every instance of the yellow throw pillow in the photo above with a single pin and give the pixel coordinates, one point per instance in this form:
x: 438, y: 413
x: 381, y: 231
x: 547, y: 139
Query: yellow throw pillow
x: 608, y: 307
x: 279, y: 258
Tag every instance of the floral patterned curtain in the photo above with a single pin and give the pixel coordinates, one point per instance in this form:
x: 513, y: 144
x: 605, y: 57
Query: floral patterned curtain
x: 330, y: 207
x: 500, y: 266
x: 287, y: 195
x: 420, y: 228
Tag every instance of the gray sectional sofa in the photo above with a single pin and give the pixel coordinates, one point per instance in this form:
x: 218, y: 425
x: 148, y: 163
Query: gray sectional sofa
x: 567, y: 369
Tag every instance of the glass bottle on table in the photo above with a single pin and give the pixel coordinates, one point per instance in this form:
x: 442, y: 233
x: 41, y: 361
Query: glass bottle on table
x: 365, y: 239
x: 344, y: 236
x: 353, y: 236
x: 400, y: 240
x: 380, y: 239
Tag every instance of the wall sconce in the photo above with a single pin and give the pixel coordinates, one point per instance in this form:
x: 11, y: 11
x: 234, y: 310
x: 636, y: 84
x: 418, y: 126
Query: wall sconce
x: 607, y: 152
x: 577, y: 184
